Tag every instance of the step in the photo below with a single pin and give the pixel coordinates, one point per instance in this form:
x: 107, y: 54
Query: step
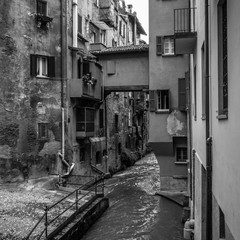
x: 79, y: 225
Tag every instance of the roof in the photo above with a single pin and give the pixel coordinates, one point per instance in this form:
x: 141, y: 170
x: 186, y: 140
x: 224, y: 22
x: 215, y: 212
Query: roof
x: 140, y: 29
x: 123, y: 49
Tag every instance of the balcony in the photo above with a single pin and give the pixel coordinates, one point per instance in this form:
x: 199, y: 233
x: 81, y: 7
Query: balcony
x: 89, y: 85
x: 184, y: 30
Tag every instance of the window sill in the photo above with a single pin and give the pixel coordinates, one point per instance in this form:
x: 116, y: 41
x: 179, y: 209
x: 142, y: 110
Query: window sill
x: 42, y: 77
x: 169, y: 55
x: 181, y: 163
x: 162, y: 111
x: 222, y: 117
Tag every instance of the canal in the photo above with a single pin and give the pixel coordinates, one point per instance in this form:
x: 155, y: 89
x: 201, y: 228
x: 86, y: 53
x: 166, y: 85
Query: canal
x: 135, y: 212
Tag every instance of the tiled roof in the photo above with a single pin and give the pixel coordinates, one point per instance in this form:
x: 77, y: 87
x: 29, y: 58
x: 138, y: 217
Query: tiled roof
x: 123, y: 49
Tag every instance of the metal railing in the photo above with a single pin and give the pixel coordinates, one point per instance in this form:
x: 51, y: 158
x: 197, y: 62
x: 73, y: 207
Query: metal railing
x: 47, y: 220
x: 184, y: 20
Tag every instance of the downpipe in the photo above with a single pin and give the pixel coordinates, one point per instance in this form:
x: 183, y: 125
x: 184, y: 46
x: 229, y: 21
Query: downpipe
x: 208, y: 137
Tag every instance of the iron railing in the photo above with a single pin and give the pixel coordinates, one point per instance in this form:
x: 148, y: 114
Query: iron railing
x: 184, y: 20
x: 94, y: 188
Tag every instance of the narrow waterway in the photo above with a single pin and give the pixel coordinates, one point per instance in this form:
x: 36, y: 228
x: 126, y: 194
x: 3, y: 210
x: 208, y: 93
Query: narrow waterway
x: 135, y: 212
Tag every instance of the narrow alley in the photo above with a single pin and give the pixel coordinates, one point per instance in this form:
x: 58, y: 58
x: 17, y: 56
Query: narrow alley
x: 135, y: 211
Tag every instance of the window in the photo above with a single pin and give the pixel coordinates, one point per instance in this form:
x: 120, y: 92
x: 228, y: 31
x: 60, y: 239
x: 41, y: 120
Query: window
x: 181, y: 154
x: 98, y: 157
x: 85, y: 119
x: 79, y: 24
x: 221, y: 224
x: 182, y: 98
x: 120, y: 27
x: 163, y: 99
x: 124, y: 30
x: 116, y: 122
x: 168, y: 46
x: 222, y: 59
x: 42, y: 66
x: 82, y: 154
x: 203, y: 83
x: 42, y: 7
x: 42, y: 130
x: 101, y: 118
x: 103, y: 36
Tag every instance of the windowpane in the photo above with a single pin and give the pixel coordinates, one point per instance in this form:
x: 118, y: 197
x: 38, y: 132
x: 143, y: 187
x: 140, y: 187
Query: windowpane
x: 163, y: 99
x: 168, y: 45
x: 181, y: 154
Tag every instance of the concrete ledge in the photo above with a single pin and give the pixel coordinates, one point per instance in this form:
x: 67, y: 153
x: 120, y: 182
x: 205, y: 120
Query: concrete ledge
x: 179, y: 198
x: 79, y: 226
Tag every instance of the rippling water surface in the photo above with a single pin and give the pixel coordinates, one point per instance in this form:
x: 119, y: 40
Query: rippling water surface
x: 135, y: 212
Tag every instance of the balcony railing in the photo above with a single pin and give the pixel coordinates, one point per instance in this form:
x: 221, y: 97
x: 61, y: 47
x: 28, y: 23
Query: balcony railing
x: 184, y: 20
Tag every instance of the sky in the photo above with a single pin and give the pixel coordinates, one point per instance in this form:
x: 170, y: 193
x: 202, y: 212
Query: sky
x: 141, y: 7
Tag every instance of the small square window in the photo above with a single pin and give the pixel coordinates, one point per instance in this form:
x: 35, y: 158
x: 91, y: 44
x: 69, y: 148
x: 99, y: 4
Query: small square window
x: 181, y: 154
x: 42, y: 8
x: 163, y: 100
x: 168, y: 46
x: 42, y: 130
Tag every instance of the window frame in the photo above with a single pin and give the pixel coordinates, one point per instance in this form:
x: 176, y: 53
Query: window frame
x: 159, y: 100
x: 222, y: 60
x: 46, y: 7
x: 182, y: 154
x: 40, y: 130
x: 50, y: 66
x: 171, y: 45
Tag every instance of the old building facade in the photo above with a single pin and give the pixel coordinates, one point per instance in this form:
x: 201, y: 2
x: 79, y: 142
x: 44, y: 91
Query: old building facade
x: 168, y: 133
x: 54, y: 116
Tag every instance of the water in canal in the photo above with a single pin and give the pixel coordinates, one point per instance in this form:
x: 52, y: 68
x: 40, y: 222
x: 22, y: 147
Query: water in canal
x: 135, y: 213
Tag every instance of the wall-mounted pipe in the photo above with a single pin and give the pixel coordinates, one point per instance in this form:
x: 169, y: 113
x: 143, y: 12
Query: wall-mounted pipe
x: 208, y: 137
x: 75, y: 22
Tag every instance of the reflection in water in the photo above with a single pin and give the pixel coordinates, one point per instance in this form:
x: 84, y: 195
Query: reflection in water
x: 135, y: 213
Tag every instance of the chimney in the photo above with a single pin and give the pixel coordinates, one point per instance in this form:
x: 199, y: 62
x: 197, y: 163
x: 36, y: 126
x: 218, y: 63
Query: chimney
x: 130, y: 6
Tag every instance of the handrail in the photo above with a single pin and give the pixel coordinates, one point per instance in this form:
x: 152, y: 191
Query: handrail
x: 44, y: 218
x: 97, y: 170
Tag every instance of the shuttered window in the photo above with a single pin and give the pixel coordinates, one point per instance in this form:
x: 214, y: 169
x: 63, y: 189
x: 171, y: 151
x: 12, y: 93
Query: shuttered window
x: 152, y: 102
x: 42, y: 66
x: 159, y: 45
x: 80, y: 24
x: 182, y: 94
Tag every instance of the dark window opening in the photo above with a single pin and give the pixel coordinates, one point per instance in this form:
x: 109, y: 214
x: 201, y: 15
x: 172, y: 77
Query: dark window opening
x: 116, y: 122
x: 85, y: 119
x: 98, y: 157
x: 42, y: 130
x: 101, y: 118
x: 163, y: 99
x: 42, y: 8
x: 80, y: 24
x: 181, y: 154
x: 119, y: 148
x: 82, y: 154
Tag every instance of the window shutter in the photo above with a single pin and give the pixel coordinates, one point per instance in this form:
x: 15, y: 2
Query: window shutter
x: 51, y: 66
x: 79, y: 23
x: 79, y: 68
x: 152, y: 101
x: 182, y: 93
x: 159, y: 45
x: 111, y: 67
x: 33, y: 65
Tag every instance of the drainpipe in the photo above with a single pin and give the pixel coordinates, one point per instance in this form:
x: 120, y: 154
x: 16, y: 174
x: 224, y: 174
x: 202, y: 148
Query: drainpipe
x: 63, y: 72
x: 75, y: 22
x: 208, y: 135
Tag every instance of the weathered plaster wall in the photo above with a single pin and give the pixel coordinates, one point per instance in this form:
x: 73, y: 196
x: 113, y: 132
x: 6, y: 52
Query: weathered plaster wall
x: 26, y: 101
